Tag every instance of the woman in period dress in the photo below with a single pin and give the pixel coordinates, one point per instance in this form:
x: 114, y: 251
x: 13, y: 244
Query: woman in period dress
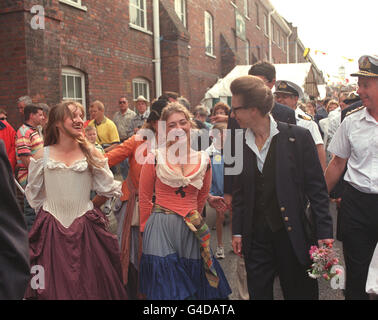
x: 69, y: 240
x: 128, y: 234
x: 177, y: 262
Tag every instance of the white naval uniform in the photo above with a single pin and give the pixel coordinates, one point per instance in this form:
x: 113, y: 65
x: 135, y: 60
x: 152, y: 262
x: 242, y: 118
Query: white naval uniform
x: 356, y: 139
x: 308, y: 124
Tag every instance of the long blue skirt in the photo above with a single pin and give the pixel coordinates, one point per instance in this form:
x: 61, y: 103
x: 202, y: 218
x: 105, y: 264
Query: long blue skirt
x: 171, y: 266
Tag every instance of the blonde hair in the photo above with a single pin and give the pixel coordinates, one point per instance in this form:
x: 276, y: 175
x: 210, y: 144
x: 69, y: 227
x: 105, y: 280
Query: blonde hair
x: 175, y: 107
x: 57, y: 115
x: 98, y: 104
x: 331, y: 102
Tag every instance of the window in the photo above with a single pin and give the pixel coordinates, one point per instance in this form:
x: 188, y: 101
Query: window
x: 180, y: 7
x: 209, y: 39
x: 240, y: 25
x: 73, y: 85
x: 257, y: 14
x: 247, y: 46
x: 138, y: 13
x: 246, y: 8
x: 74, y: 3
x: 265, y: 24
x: 141, y: 87
x: 273, y: 32
x: 278, y: 37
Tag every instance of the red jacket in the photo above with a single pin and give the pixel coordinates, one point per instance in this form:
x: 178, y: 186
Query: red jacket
x: 8, y: 135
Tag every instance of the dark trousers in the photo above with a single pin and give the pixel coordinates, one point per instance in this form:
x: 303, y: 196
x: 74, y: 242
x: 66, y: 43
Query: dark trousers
x: 270, y: 254
x: 359, y: 226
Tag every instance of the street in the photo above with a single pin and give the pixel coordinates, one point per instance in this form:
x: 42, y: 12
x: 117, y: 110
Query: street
x: 229, y: 263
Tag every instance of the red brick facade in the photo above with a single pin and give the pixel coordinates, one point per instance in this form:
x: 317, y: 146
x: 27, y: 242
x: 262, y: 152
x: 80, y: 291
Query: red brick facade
x: 99, y: 42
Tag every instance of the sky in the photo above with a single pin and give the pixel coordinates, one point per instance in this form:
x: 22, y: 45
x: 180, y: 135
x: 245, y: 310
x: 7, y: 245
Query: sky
x: 339, y: 28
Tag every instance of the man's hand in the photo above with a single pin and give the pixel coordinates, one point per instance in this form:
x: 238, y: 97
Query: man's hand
x: 237, y: 245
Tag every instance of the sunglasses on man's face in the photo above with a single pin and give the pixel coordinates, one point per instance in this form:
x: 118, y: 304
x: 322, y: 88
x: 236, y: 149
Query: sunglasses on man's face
x: 122, y: 102
x: 3, y: 118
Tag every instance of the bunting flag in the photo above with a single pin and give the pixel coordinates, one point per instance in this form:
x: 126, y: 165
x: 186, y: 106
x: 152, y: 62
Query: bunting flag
x: 319, y: 52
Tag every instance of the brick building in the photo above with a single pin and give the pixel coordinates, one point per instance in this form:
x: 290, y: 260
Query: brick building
x: 88, y: 49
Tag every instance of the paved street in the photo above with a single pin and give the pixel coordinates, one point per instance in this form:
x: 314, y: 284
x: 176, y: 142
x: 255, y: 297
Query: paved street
x: 229, y: 263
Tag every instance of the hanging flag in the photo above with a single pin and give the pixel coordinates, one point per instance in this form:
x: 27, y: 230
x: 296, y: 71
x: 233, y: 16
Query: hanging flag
x: 306, y: 53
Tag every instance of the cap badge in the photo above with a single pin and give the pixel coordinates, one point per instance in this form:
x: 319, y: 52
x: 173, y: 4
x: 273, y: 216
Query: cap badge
x: 365, y: 64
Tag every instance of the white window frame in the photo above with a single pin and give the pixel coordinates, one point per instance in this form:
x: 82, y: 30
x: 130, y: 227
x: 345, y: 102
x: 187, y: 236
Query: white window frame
x: 247, y: 52
x: 180, y: 8
x: 257, y: 15
x: 278, y: 37
x: 141, y: 82
x: 139, y: 10
x: 74, y: 3
x: 209, y: 34
x: 266, y: 27
x: 66, y: 71
x: 246, y: 9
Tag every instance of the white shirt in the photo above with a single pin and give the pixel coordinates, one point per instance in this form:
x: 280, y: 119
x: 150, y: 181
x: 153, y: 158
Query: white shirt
x: 356, y: 139
x: 310, y: 125
x: 334, y: 122
x: 251, y: 142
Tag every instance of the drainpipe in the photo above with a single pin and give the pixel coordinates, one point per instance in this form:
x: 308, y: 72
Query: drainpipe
x: 157, y: 58
x: 270, y: 34
x: 288, y: 47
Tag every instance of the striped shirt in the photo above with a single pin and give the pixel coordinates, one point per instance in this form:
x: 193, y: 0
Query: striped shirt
x: 28, y: 142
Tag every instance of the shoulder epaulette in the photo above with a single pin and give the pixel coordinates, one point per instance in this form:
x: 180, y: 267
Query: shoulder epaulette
x: 304, y: 117
x: 354, y: 110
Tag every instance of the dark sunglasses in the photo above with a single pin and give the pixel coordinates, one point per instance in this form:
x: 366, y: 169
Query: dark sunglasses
x: 122, y: 102
x: 3, y: 118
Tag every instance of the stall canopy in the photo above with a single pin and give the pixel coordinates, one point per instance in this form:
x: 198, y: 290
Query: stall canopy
x: 300, y: 73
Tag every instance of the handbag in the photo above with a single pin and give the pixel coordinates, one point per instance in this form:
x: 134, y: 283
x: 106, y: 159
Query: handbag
x: 135, y: 217
x: 111, y: 206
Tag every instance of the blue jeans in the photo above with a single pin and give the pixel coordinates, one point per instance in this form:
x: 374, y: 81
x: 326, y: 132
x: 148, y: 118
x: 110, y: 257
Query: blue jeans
x: 29, y: 214
x: 124, y: 168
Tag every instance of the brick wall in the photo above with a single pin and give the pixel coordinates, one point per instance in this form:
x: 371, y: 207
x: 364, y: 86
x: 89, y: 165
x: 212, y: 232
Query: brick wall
x: 229, y: 50
x: 100, y: 43
x: 13, y: 80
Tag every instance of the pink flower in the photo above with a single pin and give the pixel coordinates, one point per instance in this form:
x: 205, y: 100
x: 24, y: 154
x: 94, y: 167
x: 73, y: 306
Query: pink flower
x: 326, y: 276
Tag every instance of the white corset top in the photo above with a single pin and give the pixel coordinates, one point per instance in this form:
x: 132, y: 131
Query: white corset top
x: 67, y: 190
x: 64, y: 191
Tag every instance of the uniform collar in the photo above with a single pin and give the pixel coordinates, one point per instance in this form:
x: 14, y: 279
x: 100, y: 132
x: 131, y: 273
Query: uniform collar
x: 365, y: 114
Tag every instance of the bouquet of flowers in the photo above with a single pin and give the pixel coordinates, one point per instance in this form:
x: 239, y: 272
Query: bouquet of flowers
x: 324, y: 259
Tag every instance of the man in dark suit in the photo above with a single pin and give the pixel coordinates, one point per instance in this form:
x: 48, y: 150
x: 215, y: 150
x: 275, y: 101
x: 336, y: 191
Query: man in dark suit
x: 14, y: 249
x: 281, y: 171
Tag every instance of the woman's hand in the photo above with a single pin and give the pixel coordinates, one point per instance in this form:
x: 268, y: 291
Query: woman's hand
x: 217, y: 203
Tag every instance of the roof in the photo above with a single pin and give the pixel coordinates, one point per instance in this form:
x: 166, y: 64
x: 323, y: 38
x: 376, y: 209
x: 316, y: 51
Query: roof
x: 295, y: 72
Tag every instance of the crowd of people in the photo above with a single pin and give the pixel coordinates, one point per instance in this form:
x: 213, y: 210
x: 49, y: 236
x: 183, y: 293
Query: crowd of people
x: 152, y: 170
